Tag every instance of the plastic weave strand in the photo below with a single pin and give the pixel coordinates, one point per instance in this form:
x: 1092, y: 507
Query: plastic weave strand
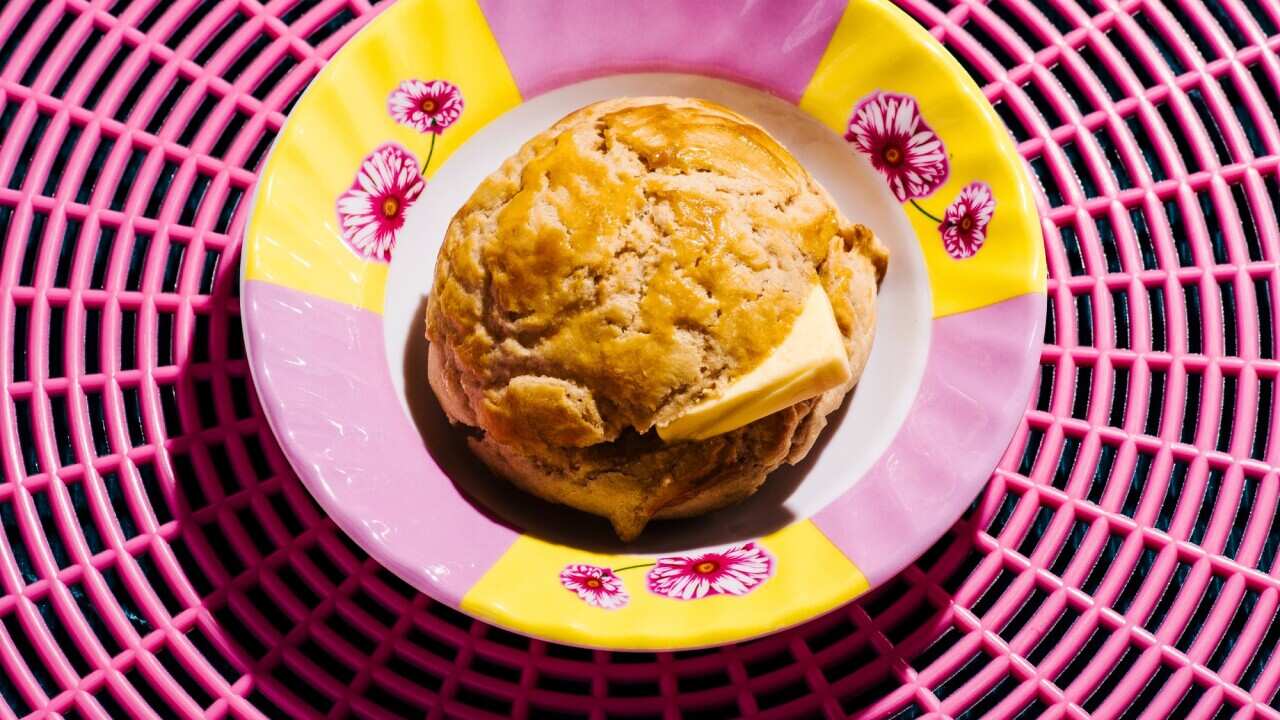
x: 160, y: 559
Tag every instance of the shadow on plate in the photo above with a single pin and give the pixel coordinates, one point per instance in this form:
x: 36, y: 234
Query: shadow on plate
x: 756, y: 516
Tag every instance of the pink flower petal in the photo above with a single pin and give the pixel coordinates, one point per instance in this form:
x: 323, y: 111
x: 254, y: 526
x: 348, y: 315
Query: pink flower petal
x: 964, y: 225
x: 596, y: 586
x: 371, y: 212
x: 426, y: 106
x: 735, y: 570
x: 889, y: 130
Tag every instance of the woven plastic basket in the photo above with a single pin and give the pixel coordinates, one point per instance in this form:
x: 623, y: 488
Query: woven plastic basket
x: 159, y: 558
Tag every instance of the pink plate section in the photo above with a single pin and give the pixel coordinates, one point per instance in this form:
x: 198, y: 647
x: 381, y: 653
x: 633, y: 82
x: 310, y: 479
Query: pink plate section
x: 974, y: 389
x: 548, y: 44
x: 340, y: 431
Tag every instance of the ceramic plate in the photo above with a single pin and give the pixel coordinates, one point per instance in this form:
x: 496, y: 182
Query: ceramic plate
x: 402, y: 124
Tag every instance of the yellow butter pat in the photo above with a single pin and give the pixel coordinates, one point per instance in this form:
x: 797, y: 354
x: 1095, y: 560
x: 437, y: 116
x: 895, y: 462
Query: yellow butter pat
x: 810, y: 361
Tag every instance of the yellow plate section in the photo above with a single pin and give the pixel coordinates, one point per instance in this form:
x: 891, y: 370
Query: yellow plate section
x: 522, y: 591
x: 866, y: 54
x: 293, y: 237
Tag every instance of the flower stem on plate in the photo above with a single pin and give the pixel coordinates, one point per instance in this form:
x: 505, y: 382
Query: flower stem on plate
x: 914, y: 204
x: 431, y: 151
x: 632, y: 567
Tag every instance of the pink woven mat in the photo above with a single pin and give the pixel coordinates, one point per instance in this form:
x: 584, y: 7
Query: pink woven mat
x: 159, y: 558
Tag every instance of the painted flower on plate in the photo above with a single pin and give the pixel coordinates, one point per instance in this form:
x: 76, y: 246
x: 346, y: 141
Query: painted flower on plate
x: 735, y: 570
x: 426, y: 106
x: 597, y: 586
x: 371, y: 212
x: 888, y: 129
x: 964, y: 225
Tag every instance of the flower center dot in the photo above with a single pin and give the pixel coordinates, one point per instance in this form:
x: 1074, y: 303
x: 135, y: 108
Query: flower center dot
x: 893, y: 156
x: 966, y: 224
x: 705, y: 567
x: 390, y: 207
x: 428, y: 105
x: 593, y: 583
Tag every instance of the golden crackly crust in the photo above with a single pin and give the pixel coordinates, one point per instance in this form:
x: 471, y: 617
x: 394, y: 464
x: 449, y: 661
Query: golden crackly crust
x: 635, y: 257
